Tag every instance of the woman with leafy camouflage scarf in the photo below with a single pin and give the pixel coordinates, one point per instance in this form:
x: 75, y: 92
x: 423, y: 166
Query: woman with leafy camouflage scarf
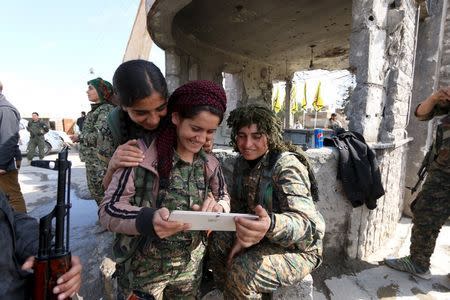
x: 274, y: 181
x: 100, y: 93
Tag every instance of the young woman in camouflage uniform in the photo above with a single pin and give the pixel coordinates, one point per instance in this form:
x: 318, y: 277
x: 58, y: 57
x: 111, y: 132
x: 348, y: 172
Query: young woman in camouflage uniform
x: 99, y: 93
x: 431, y: 208
x: 154, y: 257
x: 142, y: 93
x: 274, y: 181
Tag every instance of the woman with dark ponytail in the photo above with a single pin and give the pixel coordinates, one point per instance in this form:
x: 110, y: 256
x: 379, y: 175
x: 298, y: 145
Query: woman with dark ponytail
x: 156, y: 257
x: 141, y: 95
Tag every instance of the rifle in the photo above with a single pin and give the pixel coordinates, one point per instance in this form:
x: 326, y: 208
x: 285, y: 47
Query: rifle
x: 422, y: 171
x: 53, y: 259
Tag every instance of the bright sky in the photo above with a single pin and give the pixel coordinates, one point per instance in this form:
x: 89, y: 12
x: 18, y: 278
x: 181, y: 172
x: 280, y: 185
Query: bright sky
x: 48, y: 47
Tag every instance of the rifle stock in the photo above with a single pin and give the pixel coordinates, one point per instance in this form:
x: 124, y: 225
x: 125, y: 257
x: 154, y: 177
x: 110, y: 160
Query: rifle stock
x: 53, y: 260
x: 423, y: 170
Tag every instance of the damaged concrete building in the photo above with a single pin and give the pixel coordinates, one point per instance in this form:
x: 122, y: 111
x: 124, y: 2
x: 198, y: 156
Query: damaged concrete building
x: 392, y: 47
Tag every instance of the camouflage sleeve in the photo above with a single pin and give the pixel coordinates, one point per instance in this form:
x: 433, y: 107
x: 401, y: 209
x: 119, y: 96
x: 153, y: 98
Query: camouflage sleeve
x: 299, y: 219
x: 91, y: 130
x: 105, y: 144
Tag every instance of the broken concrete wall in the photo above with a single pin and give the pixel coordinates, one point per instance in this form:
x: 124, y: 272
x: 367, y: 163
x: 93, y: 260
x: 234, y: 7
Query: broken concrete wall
x: 444, y: 74
x: 382, y: 56
x: 333, y: 205
x: 402, y: 18
x: 368, y: 230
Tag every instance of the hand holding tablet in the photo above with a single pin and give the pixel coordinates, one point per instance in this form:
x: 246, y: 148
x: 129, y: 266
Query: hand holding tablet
x: 208, y: 220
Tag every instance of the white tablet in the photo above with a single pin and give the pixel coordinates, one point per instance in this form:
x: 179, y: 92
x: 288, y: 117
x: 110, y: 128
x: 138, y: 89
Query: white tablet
x: 215, y: 221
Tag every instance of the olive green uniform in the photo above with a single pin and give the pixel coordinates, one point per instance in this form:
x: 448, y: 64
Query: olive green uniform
x: 431, y: 208
x: 37, y: 131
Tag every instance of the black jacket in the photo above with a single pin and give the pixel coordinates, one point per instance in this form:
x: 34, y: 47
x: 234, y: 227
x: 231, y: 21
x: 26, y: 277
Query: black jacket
x: 358, y: 169
x: 19, y: 240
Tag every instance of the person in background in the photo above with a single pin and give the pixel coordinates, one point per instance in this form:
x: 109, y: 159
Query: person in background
x: 100, y: 93
x: 37, y: 130
x: 274, y: 181
x: 431, y: 208
x: 10, y: 156
x: 298, y: 125
x: 333, y: 122
x: 154, y: 258
x: 20, y: 241
x: 80, y: 121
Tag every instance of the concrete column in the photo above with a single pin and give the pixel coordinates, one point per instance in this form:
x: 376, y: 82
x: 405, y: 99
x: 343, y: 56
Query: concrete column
x: 173, y: 69
x: 426, y: 78
x: 193, y: 69
x: 367, y: 59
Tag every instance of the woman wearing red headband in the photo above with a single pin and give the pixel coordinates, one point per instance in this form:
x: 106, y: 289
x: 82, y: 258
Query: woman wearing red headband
x: 156, y: 257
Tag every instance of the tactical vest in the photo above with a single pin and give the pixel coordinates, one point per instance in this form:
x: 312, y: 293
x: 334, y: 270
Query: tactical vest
x: 267, y: 196
x: 440, y: 153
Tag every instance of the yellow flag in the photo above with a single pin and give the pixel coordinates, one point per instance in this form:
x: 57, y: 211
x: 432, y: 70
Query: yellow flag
x: 278, y: 97
x: 318, y: 100
x: 294, y: 107
x: 303, y: 102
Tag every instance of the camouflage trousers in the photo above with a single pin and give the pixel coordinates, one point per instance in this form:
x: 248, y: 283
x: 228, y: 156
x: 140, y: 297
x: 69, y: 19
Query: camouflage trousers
x: 95, y: 171
x: 260, y: 269
x: 9, y: 184
x: 172, y: 274
x: 431, y: 209
x: 38, y: 142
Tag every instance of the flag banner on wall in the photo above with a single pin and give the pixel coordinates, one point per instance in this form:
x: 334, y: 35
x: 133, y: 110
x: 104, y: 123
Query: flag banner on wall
x: 318, y: 103
x: 303, y: 101
x: 294, y: 100
x: 278, y: 97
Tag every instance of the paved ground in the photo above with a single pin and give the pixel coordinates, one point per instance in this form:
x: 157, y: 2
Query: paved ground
x: 373, y: 280
x: 351, y: 280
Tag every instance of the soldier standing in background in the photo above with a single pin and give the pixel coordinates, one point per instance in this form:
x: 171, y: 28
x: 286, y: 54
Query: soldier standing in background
x: 431, y: 208
x: 80, y: 121
x: 37, y: 130
x: 100, y: 93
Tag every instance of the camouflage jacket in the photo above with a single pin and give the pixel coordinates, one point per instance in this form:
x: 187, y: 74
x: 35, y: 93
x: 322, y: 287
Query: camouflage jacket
x: 37, y: 128
x: 90, y: 137
x: 118, y: 212
x: 440, y: 152
x: 297, y: 222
